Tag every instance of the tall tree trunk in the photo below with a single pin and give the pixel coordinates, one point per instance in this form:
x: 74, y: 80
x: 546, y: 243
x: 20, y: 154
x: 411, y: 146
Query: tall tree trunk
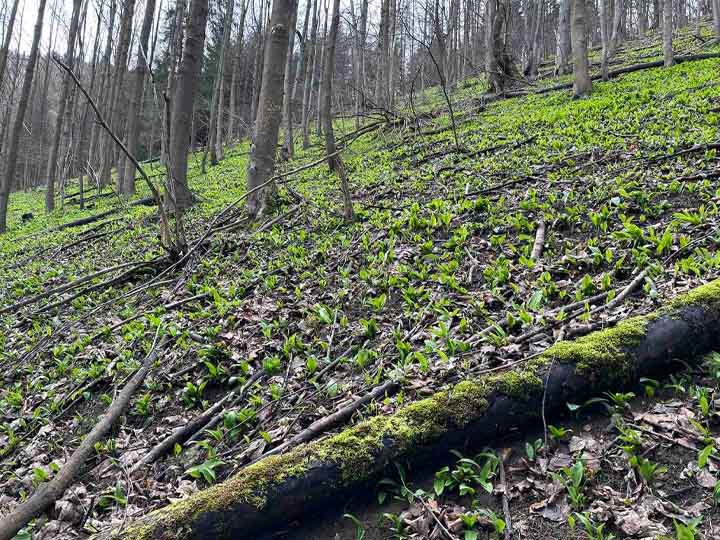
x: 116, y: 100
x: 127, y: 172
x: 61, y: 116
x: 616, y: 27
x: 581, y: 65
x: 287, y: 97
x: 383, y: 48
x: 334, y: 161
x: 186, y: 84
x: 7, y: 180
x: 604, y: 38
x: 220, y: 114
x: 176, y: 45
x: 318, y: 123
x: 258, y: 67
x: 360, y: 68
x: 233, y: 113
x: 668, y: 55
x: 532, y: 60
x: 8, y: 37
x: 499, y: 63
x: 309, y: 76
x: 563, y: 52
x: 269, y: 115
x: 716, y: 18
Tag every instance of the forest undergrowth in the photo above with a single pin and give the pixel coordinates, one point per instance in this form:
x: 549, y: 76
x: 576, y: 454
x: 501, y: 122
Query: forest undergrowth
x: 552, y: 217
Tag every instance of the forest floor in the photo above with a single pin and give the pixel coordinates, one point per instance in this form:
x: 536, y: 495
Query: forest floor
x: 300, y: 314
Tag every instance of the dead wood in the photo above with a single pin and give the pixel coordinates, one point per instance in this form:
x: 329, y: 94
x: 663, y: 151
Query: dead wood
x: 46, y: 495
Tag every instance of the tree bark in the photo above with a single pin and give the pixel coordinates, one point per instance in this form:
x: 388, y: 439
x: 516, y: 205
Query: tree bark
x: 64, y: 93
x: 716, y: 18
x: 581, y: 65
x: 616, y: 27
x: 563, y: 51
x: 7, y: 180
x: 668, y: 55
x: 233, y: 113
x: 126, y: 173
x: 269, y: 115
x: 182, y: 107
x: 287, y: 99
x: 604, y: 38
x: 115, y: 99
x: 8, y: 37
x: 334, y: 160
x: 309, y: 76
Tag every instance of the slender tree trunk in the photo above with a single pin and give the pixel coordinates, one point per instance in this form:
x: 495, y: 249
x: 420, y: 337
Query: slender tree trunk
x: 116, y: 101
x: 269, y: 115
x: 287, y: 99
x: 668, y: 54
x: 61, y: 116
x: 6, y: 181
x: 186, y: 84
x: 334, y: 162
x: 383, y: 47
x: 233, y: 113
x: 220, y: 114
x: 258, y: 67
x: 309, y: 76
x: 176, y: 47
x: 581, y: 64
x: 318, y: 123
x: 127, y: 182
x: 604, y: 38
x: 716, y: 18
x: 8, y: 37
x: 616, y: 27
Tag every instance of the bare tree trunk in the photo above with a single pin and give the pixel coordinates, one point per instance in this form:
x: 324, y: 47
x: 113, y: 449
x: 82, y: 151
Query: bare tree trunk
x: 116, y: 100
x: 8, y: 37
x: 321, y: 52
x: 269, y: 115
x: 309, y: 76
x: 258, y: 67
x: 616, y: 24
x: 532, y: 60
x: 563, y: 52
x: 7, y: 180
x: 604, y: 38
x: 182, y: 107
x: 220, y: 115
x: 499, y: 63
x: 176, y: 45
x: 97, y: 136
x: 360, y: 76
x: 61, y: 115
x: 383, y: 47
x: 126, y: 173
x: 334, y: 161
x: 581, y: 64
x: 668, y: 55
x: 287, y: 100
x: 716, y: 18
x: 233, y: 113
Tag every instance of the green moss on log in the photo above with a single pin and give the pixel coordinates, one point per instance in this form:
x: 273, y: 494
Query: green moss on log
x: 602, y: 356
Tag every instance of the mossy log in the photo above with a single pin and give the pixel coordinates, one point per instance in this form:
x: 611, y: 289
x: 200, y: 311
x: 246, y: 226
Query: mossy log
x: 269, y: 494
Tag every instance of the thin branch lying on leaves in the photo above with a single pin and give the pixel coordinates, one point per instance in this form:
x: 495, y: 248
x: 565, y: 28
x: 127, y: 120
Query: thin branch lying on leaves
x: 46, y: 495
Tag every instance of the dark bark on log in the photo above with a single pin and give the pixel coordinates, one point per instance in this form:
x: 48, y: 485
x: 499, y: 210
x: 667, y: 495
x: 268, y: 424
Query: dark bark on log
x: 278, y: 489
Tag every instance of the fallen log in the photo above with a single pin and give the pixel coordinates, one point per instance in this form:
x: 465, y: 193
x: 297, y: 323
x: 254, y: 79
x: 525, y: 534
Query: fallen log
x: 146, y: 201
x: 267, y: 495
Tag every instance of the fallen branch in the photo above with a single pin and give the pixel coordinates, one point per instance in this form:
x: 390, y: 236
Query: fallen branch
x: 537, y: 248
x: 181, y: 434
x: 46, y: 495
x: 329, y: 422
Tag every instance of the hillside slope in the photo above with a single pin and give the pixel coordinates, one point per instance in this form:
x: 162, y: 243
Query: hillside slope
x: 436, y: 281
